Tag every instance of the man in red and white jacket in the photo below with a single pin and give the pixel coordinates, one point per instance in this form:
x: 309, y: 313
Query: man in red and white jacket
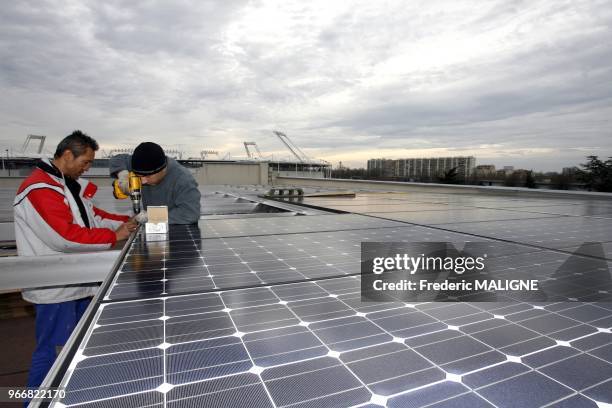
x: 53, y: 213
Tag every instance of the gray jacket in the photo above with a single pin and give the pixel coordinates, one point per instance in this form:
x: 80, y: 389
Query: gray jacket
x: 178, y: 190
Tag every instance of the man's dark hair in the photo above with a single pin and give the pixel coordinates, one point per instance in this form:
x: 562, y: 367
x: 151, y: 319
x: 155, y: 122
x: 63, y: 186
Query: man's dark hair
x: 77, y: 142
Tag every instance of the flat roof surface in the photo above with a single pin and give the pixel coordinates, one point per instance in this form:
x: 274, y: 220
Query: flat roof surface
x: 267, y: 311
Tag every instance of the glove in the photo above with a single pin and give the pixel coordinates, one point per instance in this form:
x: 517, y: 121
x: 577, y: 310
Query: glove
x: 141, y: 217
x: 123, y: 179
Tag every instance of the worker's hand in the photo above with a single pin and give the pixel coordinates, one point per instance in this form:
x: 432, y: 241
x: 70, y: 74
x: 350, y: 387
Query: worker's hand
x: 141, y: 217
x: 123, y: 178
x: 125, y: 229
x: 132, y: 225
x: 122, y: 233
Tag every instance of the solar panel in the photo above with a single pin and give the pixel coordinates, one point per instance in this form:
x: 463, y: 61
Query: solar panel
x: 189, y: 262
x: 268, y: 312
x: 191, y: 265
x: 536, y: 222
x: 295, y: 225
x: 306, y: 344
x: 551, y: 233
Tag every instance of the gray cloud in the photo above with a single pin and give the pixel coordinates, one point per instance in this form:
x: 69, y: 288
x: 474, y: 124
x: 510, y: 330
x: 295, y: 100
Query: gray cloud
x: 524, y: 81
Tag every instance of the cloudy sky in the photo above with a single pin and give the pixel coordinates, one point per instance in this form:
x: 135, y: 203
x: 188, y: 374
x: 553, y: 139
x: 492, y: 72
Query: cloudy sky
x: 523, y: 83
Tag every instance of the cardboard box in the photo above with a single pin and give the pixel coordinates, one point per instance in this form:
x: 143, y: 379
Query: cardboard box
x: 158, y: 219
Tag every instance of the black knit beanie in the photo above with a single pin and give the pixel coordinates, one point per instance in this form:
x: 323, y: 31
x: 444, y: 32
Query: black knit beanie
x: 148, y: 158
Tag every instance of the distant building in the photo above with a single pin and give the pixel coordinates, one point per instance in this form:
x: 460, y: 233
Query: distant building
x: 485, y: 170
x: 423, y: 168
x: 508, y: 170
x: 381, y: 167
x: 569, y: 171
x: 522, y: 173
x: 430, y: 168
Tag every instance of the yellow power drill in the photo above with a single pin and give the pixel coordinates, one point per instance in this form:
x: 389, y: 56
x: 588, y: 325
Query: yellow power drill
x: 134, y: 194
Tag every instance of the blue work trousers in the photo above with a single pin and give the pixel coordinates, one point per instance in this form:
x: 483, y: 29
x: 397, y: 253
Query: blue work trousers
x: 54, y: 324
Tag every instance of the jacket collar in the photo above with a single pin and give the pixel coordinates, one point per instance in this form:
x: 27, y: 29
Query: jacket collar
x: 87, y: 189
x: 45, y: 165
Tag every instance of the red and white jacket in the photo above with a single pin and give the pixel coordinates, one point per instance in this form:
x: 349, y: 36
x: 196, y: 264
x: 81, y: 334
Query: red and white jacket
x: 50, y: 220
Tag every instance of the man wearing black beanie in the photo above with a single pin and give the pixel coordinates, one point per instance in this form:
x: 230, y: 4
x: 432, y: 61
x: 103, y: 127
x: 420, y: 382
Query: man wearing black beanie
x: 164, y: 182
